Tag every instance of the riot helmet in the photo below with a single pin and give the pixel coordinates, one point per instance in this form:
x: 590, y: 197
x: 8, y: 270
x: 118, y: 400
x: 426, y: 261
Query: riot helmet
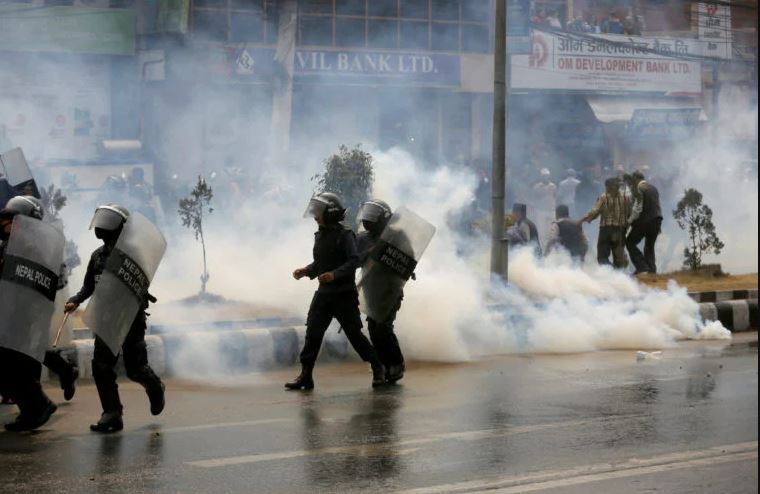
x: 326, y: 205
x: 108, y: 221
x: 374, y: 215
x: 26, y: 206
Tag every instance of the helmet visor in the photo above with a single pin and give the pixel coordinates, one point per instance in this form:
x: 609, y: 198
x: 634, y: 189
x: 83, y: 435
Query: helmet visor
x: 371, y: 211
x: 107, y: 218
x: 316, y: 208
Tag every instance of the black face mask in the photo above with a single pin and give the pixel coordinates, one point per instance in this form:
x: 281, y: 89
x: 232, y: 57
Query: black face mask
x: 4, y: 236
x: 372, y: 227
x: 109, y: 237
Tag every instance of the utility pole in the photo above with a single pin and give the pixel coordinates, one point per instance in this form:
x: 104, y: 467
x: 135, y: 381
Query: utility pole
x: 498, y: 246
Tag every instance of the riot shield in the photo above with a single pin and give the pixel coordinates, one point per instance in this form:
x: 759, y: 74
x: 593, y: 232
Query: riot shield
x: 16, y: 171
x: 122, y: 289
x: 28, y: 285
x: 391, y: 263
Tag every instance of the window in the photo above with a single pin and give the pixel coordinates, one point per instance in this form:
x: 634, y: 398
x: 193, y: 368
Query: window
x: 445, y: 10
x: 210, y: 23
x: 382, y: 34
x: 210, y: 3
x: 349, y: 32
x: 475, y: 38
x: 316, y: 6
x: 444, y: 36
x: 416, y: 9
x: 255, y: 5
x: 476, y: 10
x: 56, y: 3
x: 414, y: 35
x: 383, y: 8
x: 316, y: 30
x: 350, y: 7
x: 246, y: 27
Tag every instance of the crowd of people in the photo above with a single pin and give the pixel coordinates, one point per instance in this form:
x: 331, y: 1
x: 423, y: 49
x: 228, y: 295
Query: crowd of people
x: 628, y: 211
x: 614, y: 22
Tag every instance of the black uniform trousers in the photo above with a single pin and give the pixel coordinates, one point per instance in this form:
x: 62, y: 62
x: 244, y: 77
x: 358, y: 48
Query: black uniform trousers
x: 20, y: 380
x: 649, y: 231
x: 384, y: 339
x: 343, y: 306
x: 135, y: 362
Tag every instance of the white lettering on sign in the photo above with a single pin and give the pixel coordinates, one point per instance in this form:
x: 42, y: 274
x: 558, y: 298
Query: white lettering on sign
x: 364, y: 63
x: 31, y: 274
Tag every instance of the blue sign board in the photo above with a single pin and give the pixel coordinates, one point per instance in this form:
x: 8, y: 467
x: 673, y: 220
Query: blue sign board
x: 518, y: 27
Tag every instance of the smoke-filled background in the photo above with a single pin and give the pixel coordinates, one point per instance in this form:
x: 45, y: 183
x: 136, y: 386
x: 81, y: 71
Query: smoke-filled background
x: 191, y: 123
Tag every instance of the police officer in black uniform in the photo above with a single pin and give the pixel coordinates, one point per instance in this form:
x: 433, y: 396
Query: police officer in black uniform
x: 335, y: 263
x: 374, y: 216
x: 20, y: 374
x: 108, y: 223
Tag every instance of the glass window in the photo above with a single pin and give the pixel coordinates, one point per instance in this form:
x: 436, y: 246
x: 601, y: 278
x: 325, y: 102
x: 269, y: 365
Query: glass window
x: 350, y: 7
x: 316, y: 6
x: 416, y: 9
x: 414, y: 35
x: 475, y: 38
x: 210, y: 3
x: 476, y: 10
x: 382, y: 34
x: 256, y: 5
x: 246, y: 27
x: 210, y: 23
x: 316, y: 30
x: 349, y: 32
x: 273, y: 22
x: 59, y: 2
x: 446, y: 9
x: 444, y: 36
x: 383, y: 8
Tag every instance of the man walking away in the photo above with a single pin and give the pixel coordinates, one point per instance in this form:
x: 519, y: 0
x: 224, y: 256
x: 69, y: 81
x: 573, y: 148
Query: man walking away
x: 568, y: 234
x: 566, y: 190
x: 614, y: 209
x: 646, y: 222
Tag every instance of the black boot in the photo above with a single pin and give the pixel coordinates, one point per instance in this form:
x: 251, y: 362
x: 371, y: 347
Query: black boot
x: 109, y: 422
x: 378, y: 374
x: 156, y: 396
x: 304, y: 380
x: 29, y: 420
x: 395, y: 373
x: 68, y: 382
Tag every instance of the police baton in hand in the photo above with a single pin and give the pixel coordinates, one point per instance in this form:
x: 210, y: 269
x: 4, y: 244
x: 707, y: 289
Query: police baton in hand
x: 60, y: 328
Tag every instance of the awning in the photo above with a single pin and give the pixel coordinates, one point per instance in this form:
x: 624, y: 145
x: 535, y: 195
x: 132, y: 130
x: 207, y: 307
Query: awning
x: 608, y: 109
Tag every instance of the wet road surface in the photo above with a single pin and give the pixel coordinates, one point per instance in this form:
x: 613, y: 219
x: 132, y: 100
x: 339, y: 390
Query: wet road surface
x: 597, y: 422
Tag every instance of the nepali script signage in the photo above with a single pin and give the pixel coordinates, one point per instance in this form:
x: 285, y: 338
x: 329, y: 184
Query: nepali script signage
x: 608, y: 63
x: 253, y: 64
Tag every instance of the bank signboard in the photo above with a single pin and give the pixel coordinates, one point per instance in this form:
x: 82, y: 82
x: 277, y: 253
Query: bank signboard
x: 255, y: 64
x: 616, y: 63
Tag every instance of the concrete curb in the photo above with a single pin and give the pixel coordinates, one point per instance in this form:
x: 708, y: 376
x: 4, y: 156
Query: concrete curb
x: 735, y: 315
x: 260, y: 348
x: 724, y: 296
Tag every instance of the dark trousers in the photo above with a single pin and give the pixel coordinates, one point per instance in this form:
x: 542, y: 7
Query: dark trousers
x: 384, y: 339
x: 135, y: 354
x: 343, y: 306
x: 20, y: 380
x: 56, y: 363
x: 648, y: 231
x: 611, y: 240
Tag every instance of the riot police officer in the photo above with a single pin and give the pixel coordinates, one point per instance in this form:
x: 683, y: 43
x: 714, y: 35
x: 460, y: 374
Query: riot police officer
x: 108, y: 223
x: 20, y: 370
x: 374, y: 216
x: 334, y: 265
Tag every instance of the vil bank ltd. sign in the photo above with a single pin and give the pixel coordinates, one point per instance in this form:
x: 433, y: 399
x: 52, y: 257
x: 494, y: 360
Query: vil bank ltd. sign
x: 250, y: 64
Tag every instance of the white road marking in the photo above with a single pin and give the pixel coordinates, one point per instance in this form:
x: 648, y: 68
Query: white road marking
x: 548, y: 479
x: 190, y: 428
x: 475, y: 435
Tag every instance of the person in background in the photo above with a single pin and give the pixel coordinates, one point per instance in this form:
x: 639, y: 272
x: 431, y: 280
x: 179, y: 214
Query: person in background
x: 523, y: 231
x: 613, y: 209
x: 568, y: 234
x: 646, y: 222
x: 567, y: 188
x: 544, y: 201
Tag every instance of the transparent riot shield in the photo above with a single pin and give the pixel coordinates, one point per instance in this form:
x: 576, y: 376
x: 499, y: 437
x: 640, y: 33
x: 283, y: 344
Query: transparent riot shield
x: 14, y: 168
x: 391, y: 262
x: 31, y: 266
x: 122, y: 289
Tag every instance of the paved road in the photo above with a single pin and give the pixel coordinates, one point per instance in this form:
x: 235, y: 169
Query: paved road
x: 598, y: 422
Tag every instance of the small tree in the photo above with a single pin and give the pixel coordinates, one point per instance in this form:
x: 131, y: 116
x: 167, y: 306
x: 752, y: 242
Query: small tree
x: 696, y: 219
x: 349, y: 174
x: 191, y: 209
x: 53, y: 201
